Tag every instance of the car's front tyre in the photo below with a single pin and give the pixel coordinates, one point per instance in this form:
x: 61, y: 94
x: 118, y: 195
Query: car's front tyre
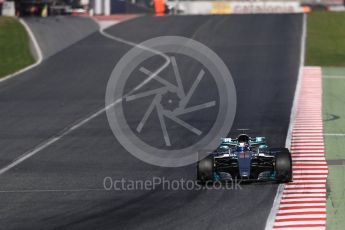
x: 205, y: 169
x: 283, y: 165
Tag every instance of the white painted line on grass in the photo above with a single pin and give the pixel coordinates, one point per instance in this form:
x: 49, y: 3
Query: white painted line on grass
x: 333, y: 77
x: 335, y: 134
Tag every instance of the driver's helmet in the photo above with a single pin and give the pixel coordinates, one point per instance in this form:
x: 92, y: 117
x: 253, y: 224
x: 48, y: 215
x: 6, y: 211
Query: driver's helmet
x: 242, y: 147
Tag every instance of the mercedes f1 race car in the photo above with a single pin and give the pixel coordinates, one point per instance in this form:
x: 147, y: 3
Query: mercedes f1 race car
x: 248, y: 159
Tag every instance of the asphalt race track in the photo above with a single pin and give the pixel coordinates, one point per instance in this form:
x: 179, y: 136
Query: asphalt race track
x: 61, y: 187
x: 57, y: 33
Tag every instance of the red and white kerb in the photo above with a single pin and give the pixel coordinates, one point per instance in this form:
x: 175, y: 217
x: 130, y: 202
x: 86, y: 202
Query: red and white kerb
x: 303, y: 203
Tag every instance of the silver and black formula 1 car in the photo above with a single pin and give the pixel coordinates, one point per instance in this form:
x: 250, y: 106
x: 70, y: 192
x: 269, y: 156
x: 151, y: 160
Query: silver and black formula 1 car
x: 246, y: 158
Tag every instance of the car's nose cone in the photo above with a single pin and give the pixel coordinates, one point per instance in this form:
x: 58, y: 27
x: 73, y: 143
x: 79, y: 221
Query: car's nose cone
x: 244, y: 163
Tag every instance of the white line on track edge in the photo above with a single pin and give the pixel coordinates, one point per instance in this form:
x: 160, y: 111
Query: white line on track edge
x: 274, y: 210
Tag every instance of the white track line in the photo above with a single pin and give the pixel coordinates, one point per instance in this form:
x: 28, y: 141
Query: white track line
x: 36, y: 47
x: 308, y: 158
x: 53, y: 190
x: 49, y: 142
x: 275, y: 206
x: 301, y: 191
x: 301, y: 216
x: 335, y: 134
x: 80, y: 123
x: 334, y: 77
x: 316, y: 186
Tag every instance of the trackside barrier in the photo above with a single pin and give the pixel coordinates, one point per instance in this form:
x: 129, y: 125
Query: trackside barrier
x: 235, y: 7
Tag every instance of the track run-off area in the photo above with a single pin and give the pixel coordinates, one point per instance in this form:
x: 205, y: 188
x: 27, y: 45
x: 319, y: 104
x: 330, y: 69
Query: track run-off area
x: 60, y: 186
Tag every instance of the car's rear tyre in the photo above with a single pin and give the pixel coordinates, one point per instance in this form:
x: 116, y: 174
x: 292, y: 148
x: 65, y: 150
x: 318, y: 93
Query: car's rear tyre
x: 283, y: 165
x: 205, y: 169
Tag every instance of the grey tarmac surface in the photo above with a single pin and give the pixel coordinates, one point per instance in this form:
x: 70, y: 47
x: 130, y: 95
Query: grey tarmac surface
x: 61, y: 187
x: 54, y: 34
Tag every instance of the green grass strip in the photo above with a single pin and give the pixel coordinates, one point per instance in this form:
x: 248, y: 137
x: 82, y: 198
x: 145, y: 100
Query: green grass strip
x: 334, y: 123
x: 326, y: 39
x: 14, y: 46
